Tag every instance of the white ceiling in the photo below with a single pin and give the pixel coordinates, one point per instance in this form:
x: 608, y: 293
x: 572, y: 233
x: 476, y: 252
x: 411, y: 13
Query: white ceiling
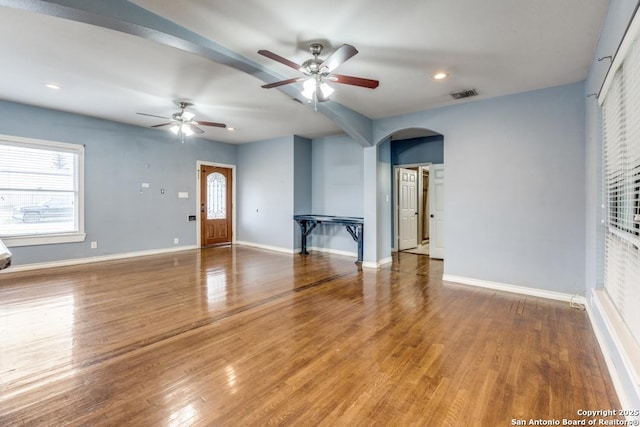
x: 498, y: 47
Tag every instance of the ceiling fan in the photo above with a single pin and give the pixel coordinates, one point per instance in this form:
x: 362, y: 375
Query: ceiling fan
x: 183, y: 123
x: 316, y: 71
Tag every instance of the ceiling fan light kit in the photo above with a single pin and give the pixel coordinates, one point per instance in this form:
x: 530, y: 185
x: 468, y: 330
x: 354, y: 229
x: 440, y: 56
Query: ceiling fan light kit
x: 316, y: 71
x: 313, y: 86
x: 183, y: 129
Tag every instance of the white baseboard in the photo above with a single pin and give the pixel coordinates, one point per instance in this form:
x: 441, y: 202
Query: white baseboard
x: 266, y: 247
x: 619, y: 348
x: 88, y: 260
x: 541, y: 293
x: 365, y: 264
x: 385, y: 261
x: 378, y: 264
x: 334, y: 251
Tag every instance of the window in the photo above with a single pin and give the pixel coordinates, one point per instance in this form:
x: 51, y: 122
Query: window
x: 40, y: 192
x: 620, y: 99
x: 216, y: 196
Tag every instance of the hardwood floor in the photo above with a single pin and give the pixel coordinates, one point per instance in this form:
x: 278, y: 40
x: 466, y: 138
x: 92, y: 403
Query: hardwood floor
x: 238, y: 336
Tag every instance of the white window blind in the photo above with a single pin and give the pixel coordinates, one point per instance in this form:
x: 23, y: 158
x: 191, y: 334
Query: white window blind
x: 40, y: 191
x: 621, y: 167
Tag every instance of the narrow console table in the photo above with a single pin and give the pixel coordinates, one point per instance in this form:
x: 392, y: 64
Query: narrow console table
x: 354, y: 226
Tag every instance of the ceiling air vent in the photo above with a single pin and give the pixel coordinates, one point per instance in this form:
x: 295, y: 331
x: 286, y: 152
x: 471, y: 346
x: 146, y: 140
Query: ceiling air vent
x: 464, y: 94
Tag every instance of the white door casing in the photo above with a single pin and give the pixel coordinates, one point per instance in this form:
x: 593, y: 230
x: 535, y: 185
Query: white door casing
x: 436, y: 211
x: 408, y: 208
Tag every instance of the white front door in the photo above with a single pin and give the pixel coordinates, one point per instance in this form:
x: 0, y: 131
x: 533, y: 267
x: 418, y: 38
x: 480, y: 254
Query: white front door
x: 436, y: 211
x: 408, y: 208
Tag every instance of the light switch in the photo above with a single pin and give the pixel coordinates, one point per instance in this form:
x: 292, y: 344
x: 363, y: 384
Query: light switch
x: 183, y: 195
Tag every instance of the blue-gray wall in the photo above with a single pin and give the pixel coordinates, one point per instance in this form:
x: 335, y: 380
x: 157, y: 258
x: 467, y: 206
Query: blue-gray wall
x: 265, y: 193
x: 337, y: 188
x: 385, y: 201
x: 337, y: 176
x: 120, y: 215
x: 514, y: 186
x: 302, y: 175
x: 418, y: 151
x: 302, y: 181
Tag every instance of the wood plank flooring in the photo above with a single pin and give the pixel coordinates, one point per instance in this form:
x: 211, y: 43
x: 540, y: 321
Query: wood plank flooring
x: 235, y: 336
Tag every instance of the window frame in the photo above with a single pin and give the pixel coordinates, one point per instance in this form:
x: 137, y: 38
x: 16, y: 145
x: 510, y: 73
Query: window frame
x: 78, y: 235
x: 621, y: 179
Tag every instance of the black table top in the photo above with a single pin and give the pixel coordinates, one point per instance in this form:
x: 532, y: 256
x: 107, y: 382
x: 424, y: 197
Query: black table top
x: 330, y: 218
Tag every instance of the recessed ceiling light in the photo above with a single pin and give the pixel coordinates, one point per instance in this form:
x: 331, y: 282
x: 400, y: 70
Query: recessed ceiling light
x: 52, y: 86
x: 440, y: 75
x: 230, y: 129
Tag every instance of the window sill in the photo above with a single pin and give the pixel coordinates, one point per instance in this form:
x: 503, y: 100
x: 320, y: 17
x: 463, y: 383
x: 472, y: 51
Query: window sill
x: 49, y: 239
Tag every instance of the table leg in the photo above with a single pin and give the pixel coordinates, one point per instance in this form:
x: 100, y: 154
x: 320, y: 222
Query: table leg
x: 356, y: 232
x: 303, y: 237
x: 360, y: 244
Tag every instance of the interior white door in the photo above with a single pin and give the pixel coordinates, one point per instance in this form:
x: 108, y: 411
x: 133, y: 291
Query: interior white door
x: 436, y: 211
x: 408, y: 208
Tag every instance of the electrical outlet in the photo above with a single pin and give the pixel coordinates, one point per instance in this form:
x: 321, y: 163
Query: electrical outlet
x: 94, y: 245
x: 176, y: 241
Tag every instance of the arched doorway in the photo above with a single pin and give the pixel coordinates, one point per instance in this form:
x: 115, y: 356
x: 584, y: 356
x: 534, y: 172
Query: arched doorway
x: 417, y: 162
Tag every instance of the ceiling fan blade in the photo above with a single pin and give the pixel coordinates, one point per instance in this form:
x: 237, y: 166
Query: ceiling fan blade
x: 283, y: 82
x: 279, y: 58
x: 218, y: 125
x: 153, y: 115
x: 160, y: 125
x: 355, y: 81
x: 342, y: 54
x: 195, y: 128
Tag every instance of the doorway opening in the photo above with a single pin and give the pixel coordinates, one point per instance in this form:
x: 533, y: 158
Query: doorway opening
x: 419, y: 213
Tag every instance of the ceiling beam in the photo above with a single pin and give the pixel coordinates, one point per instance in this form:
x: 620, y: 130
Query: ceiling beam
x: 126, y: 17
